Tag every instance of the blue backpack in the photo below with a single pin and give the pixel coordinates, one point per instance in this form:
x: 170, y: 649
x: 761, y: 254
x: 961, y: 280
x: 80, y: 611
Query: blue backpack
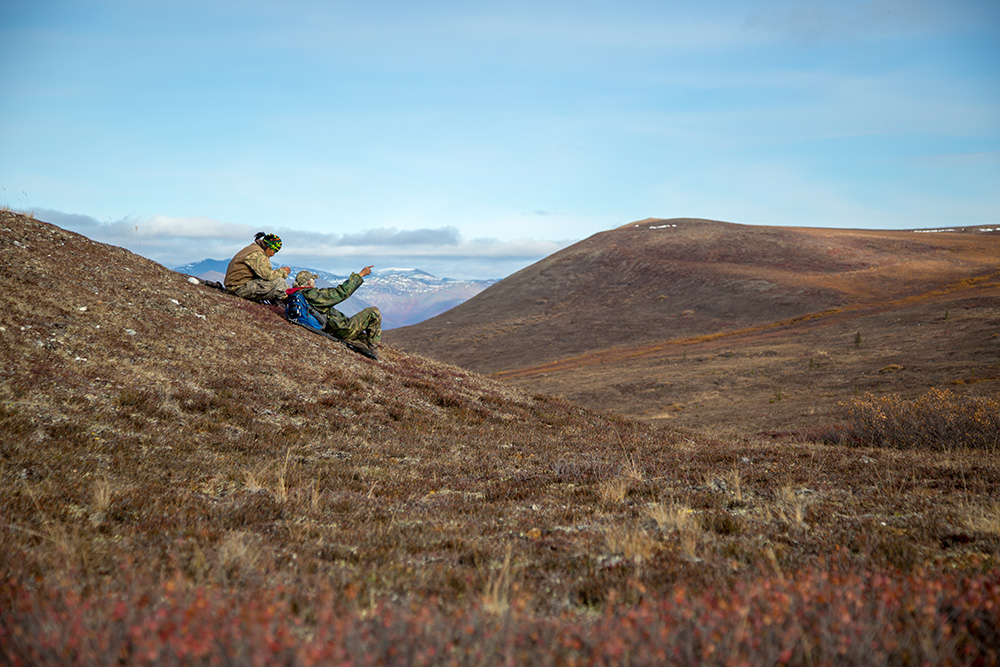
x: 298, y: 311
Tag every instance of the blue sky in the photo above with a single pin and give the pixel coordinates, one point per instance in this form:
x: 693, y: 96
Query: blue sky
x: 470, y: 139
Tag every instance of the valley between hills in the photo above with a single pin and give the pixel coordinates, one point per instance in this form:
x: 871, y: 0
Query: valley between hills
x: 737, y: 328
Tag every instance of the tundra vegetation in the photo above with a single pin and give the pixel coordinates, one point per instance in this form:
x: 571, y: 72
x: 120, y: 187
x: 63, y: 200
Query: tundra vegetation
x: 716, y: 326
x: 189, y: 480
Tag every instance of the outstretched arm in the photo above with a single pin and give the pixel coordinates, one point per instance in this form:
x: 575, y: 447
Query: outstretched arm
x: 325, y: 297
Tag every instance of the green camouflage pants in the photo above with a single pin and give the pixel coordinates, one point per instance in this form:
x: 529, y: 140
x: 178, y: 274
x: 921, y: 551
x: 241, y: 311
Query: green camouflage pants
x: 366, y: 327
x: 259, y: 290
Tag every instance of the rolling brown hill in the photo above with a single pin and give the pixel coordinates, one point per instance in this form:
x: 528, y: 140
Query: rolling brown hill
x: 627, y: 320
x: 185, y: 478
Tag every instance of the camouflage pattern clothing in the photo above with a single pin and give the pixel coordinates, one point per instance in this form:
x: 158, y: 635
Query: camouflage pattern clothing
x: 262, y: 290
x: 365, y: 326
x: 250, y: 276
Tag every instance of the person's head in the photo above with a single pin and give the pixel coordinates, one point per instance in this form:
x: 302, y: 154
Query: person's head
x: 270, y: 243
x: 305, y: 279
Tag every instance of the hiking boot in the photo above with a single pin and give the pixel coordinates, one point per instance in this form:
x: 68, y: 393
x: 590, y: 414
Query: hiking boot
x: 362, y: 348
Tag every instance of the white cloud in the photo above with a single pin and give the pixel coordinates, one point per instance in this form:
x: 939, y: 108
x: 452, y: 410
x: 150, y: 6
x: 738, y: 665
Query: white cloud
x: 480, y: 248
x: 446, y: 236
x: 441, y: 251
x: 161, y: 226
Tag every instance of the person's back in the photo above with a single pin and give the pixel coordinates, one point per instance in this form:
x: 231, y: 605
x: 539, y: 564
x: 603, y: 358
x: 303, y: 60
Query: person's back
x: 238, y: 273
x: 250, y: 275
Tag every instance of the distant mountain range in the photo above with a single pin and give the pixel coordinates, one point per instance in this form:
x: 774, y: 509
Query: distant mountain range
x: 405, y: 296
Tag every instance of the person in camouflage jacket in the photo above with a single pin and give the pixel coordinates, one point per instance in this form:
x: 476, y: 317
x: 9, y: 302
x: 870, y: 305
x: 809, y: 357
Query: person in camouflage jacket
x: 364, y: 327
x: 250, y: 275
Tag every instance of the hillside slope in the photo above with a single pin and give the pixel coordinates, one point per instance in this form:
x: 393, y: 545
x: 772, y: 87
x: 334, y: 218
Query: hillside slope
x: 188, y: 479
x: 660, y: 280
x: 794, y: 375
x: 729, y: 327
x: 161, y: 419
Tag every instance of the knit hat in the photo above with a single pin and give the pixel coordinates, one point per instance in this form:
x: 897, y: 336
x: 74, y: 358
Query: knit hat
x: 272, y: 241
x: 302, y: 278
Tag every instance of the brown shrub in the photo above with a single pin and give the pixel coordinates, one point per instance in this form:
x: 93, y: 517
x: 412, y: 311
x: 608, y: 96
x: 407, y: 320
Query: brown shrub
x: 938, y: 420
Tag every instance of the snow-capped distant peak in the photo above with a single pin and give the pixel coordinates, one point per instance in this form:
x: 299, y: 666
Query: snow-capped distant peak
x: 404, y: 272
x: 404, y: 295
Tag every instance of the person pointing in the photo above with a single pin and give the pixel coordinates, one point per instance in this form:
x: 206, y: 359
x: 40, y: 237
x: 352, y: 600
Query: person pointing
x: 364, y: 327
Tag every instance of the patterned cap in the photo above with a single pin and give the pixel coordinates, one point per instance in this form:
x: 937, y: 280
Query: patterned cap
x: 272, y: 241
x: 302, y: 278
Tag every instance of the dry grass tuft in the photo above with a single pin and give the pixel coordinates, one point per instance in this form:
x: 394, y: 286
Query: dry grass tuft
x: 672, y: 516
x: 102, y: 496
x: 238, y: 553
x: 497, y: 594
x: 984, y: 519
x: 682, y: 521
x: 789, y: 507
x: 614, y: 490
x: 631, y: 542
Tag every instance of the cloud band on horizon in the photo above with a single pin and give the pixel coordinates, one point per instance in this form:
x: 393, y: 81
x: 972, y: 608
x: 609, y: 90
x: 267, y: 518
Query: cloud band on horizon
x: 168, y: 240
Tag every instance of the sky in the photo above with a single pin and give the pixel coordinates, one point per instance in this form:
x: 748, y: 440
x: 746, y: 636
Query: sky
x: 471, y: 139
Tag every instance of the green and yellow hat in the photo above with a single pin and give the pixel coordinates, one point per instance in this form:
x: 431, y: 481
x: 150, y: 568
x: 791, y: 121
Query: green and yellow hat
x: 272, y: 241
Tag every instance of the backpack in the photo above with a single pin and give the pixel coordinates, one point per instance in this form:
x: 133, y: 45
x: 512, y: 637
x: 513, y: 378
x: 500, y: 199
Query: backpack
x: 298, y: 311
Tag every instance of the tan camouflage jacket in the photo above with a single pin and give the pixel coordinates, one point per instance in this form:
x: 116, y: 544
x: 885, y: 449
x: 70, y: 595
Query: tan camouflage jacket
x: 250, y: 263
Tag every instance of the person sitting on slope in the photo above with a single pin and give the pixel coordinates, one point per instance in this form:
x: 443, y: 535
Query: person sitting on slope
x: 364, y: 328
x: 250, y: 275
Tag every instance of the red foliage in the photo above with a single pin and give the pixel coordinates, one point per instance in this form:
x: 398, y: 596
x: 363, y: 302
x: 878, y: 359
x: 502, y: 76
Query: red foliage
x: 823, y: 616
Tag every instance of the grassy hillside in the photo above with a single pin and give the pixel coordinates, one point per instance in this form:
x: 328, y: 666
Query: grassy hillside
x: 709, y: 324
x: 188, y: 479
x: 793, y: 375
